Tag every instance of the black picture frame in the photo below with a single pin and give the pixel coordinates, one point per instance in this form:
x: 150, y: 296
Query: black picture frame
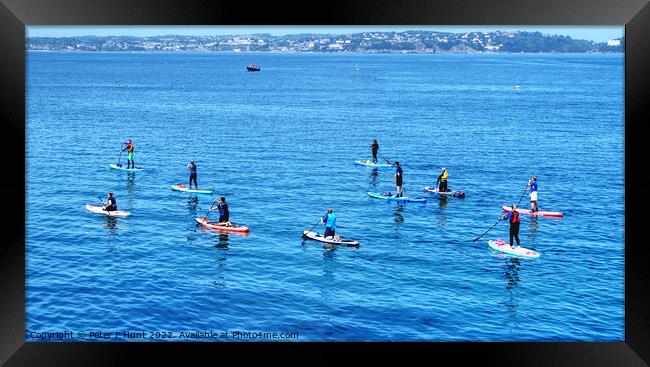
x: 15, y: 15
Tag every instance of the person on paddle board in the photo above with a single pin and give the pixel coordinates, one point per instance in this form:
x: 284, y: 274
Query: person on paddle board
x: 513, y: 217
x: 112, y: 203
x: 224, y: 214
x: 192, y: 167
x: 375, y: 148
x: 532, y: 185
x: 442, y: 180
x: 398, y: 179
x: 129, y: 147
x: 330, y: 223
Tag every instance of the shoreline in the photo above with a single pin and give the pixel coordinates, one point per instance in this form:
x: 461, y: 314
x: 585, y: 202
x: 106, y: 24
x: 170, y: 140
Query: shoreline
x: 333, y: 53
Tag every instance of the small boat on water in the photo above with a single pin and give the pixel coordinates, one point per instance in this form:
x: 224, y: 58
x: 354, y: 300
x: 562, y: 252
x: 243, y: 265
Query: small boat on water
x: 251, y: 67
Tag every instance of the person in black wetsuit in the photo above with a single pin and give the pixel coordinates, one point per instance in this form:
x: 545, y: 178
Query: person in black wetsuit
x: 224, y: 214
x: 375, y: 148
x: 513, y: 216
x: 112, y: 203
x: 398, y: 180
x: 192, y: 167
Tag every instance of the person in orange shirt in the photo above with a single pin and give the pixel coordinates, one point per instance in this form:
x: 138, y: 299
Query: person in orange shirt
x: 129, y: 148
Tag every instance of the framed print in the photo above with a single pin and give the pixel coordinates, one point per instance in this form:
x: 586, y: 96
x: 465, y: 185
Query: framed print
x: 452, y: 179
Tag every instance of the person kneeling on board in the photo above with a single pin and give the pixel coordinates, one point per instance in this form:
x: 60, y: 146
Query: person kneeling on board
x: 513, y: 216
x: 224, y: 215
x: 112, y: 203
x: 330, y: 223
x: 442, y: 180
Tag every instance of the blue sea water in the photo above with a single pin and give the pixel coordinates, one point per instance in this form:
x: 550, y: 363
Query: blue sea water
x: 279, y: 144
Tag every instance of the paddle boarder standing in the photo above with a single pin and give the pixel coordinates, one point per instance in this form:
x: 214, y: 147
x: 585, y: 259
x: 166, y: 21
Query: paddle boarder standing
x: 513, y: 217
x: 532, y: 184
x: 398, y: 179
x: 129, y: 147
x: 375, y: 148
x: 192, y: 167
x: 330, y: 223
x: 442, y: 179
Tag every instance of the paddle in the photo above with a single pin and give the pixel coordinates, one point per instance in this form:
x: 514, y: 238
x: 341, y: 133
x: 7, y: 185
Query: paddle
x: 317, y: 223
x: 382, y: 157
x: 209, y: 210
x: 119, y: 158
x: 522, y: 194
x: 494, y: 225
x: 103, y: 205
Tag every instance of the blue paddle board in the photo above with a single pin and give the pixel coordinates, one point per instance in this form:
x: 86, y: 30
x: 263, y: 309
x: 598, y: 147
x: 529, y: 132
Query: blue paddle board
x: 122, y: 168
x: 183, y: 188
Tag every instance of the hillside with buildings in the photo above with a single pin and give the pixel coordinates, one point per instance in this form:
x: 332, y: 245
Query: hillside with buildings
x: 416, y: 42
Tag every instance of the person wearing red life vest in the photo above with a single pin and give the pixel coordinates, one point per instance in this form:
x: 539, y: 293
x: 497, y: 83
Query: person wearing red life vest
x: 513, y: 217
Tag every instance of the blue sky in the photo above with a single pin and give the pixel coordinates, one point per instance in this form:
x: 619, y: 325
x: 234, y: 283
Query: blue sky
x: 591, y: 33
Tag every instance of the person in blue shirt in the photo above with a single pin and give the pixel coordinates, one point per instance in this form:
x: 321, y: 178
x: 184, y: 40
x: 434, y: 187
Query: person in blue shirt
x: 532, y: 185
x: 192, y: 167
x: 398, y: 179
x: 330, y: 223
x: 513, y: 217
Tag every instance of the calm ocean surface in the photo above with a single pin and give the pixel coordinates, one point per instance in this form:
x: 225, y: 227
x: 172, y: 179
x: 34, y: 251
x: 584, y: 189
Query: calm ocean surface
x: 279, y: 145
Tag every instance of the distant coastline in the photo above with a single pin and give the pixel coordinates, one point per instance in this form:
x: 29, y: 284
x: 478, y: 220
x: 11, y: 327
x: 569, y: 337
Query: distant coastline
x: 335, y: 53
x: 409, y: 42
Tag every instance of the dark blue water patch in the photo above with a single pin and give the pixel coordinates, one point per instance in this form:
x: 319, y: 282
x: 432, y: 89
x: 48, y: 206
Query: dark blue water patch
x: 280, y: 146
